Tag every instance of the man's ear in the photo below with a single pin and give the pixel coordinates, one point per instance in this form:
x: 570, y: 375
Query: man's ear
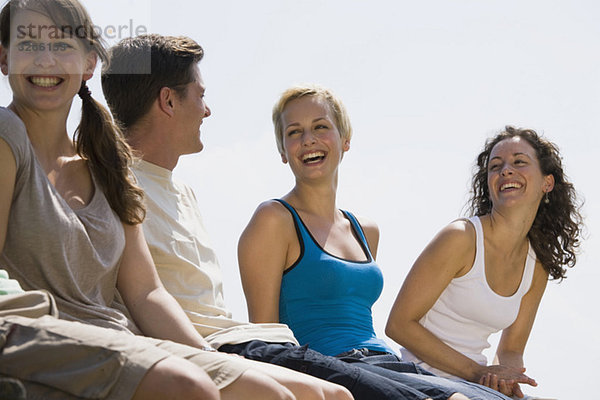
x: 4, y: 60
x: 166, y: 102
x: 90, y: 65
x: 283, y: 158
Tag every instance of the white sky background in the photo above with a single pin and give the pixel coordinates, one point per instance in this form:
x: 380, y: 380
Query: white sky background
x: 425, y: 84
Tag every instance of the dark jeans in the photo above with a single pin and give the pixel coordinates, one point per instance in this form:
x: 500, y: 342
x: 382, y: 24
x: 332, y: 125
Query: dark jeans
x: 377, y: 362
x: 367, y: 378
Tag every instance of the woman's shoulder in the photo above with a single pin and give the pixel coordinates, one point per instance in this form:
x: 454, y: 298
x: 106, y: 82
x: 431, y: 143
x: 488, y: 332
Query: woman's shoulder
x: 368, y: 225
x: 13, y: 132
x: 272, y: 213
x: 459, y: 235
x: 10, y: 122
x: 271, y: 222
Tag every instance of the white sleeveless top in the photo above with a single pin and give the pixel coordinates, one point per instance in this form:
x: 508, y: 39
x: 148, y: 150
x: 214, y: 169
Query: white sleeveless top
x: 468, y: 311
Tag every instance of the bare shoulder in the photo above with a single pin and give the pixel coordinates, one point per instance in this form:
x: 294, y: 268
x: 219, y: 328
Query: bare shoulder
x: 454, y: 246
x: 272, y: 213
x: 371, y: 231
x: 369, y: 226
x: 540, y: 277
x: 460, y: 232
x: 6, y: 152
x: 270, y: 219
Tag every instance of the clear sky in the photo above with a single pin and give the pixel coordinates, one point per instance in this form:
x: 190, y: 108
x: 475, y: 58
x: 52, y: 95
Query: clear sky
x: 425, y: 83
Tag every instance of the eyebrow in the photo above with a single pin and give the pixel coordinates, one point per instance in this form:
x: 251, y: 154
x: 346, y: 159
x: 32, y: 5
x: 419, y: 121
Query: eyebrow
x: 514, y: 155
x: 313, y: 121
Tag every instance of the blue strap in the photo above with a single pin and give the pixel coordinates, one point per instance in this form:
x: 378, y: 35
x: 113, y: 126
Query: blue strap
x: 358, y: 229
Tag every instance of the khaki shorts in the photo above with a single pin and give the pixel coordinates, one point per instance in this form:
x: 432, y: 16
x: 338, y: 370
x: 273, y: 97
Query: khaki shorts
x: 59, y: 359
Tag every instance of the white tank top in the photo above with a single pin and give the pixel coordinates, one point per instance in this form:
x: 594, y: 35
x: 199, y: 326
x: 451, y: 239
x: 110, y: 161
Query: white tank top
x: 468, y: 311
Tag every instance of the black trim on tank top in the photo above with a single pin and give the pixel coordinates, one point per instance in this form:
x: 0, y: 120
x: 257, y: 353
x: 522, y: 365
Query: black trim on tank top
x: 358, y: 235
x: 358, y: 239
x: 298, y: 234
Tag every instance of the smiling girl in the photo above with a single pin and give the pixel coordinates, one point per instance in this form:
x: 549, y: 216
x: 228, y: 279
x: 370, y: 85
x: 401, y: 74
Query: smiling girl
x: 488, y: 273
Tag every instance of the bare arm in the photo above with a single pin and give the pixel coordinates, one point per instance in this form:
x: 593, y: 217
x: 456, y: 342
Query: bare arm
x: 153, y: 309
x: 449, y: 253
x: 8, y: 173
x: 262, y: 258
x: 514, y: 338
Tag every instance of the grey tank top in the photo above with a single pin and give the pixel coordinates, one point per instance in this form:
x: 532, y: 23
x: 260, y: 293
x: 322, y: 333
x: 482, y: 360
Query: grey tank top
x: 75, y: 255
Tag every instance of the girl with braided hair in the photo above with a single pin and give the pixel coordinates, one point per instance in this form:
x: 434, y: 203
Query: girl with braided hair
x: 70, y: 224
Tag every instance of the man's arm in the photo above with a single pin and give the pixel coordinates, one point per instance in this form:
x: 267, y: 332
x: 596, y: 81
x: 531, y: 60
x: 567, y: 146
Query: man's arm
x: 153, y: 309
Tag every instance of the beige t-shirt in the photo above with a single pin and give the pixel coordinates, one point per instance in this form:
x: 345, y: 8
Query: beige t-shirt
x: 74, y: 255
x: 187, y: 263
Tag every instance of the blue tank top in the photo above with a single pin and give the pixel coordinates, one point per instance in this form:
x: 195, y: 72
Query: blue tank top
x: 327, y: 300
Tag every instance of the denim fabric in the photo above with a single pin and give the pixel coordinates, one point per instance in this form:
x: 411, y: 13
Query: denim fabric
x: 392, y: 367
x: 367, y: 377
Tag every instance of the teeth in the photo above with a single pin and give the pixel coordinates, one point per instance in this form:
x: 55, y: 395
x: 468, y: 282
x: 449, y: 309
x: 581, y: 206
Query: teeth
x: 511, y: 185
x: 44, y: 81
x: 313, y: 156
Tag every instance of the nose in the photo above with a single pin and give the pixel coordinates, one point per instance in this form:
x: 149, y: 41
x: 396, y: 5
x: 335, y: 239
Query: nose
x: 506, y: 170
x: 44, y: 59
x: 207, y: 112
x: 308, y: 137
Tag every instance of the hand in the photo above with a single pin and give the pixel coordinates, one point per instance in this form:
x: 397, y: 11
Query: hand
x: 506, y: 380
x: 506, y: 387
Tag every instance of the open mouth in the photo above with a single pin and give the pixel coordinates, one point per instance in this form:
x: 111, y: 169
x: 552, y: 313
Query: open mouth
x: 45, y: 81
x: 510, y: 185
x: 314, y: 157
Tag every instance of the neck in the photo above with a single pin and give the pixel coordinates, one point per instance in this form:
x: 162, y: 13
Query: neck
x: 152, y: 145
x: 316, y: 199
x: 510, y: 227
x: 47, y: 131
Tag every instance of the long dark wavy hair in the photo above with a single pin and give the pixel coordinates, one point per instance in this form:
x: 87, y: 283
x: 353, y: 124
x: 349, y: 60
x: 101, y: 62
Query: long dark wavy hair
x: 98, y: 140
x: 557, y: 227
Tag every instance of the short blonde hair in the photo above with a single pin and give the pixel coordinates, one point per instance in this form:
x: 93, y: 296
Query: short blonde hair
x: 342, y: 121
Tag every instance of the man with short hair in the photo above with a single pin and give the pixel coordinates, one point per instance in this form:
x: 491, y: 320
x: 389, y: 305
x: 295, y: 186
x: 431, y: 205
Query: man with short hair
x: 161, y: 113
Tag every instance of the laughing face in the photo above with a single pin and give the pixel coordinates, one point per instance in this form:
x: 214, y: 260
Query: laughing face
x: 514, y: 174
x: 45, y: 67
x: 312, y: 143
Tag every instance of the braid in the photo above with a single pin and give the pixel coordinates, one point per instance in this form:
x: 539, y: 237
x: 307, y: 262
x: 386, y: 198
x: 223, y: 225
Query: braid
x: 101, y: 143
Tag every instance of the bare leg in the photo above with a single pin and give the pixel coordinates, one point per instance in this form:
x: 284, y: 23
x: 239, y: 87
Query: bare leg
x: 254, y: 385
x: 304, y: 387
x: 458, y: 396
x: 175, y: 378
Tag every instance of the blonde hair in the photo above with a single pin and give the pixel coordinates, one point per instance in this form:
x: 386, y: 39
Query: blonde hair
x: 342, y: 120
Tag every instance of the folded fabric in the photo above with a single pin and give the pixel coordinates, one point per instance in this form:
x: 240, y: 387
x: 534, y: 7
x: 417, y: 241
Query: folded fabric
x: 30, y: 304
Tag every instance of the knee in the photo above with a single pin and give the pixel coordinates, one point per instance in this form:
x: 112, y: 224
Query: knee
x: 307, y: 392
x: 337, y: 392
x: 458, y: 396
x: 174, y: 378
x: 254, y: 385
x: 193, y: 383
x: 329, y: 391
x: 197, y: 385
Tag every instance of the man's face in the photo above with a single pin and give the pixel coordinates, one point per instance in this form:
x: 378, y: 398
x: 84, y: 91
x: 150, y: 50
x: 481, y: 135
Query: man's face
x: 190, y: 112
